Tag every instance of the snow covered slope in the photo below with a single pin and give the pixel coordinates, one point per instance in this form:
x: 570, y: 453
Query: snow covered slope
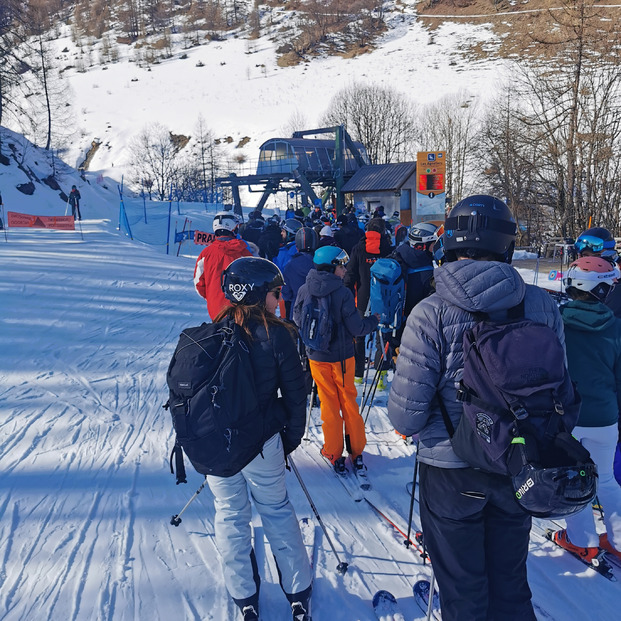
x: 88, y: 324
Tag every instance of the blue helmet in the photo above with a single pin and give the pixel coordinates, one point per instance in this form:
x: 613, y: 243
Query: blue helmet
x: 328, y: 257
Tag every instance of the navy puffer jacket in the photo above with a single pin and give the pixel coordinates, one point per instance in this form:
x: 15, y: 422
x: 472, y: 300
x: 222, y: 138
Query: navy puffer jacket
x: 430, y: 358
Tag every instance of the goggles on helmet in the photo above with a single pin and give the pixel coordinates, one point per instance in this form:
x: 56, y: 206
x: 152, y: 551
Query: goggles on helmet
x: 589, y: 242
x: 342, y: 258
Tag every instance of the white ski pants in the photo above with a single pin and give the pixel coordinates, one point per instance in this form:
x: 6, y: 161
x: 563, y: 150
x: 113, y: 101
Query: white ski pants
x: 601, y: 442
x: 264, y: 478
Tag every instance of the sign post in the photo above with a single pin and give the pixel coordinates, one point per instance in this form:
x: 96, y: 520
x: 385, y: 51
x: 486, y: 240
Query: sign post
x: 430, y: 185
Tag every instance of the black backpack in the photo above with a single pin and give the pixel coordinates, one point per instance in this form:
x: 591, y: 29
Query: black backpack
x: 519, y: 406
x: 217, y: 421
x: 317, y: 325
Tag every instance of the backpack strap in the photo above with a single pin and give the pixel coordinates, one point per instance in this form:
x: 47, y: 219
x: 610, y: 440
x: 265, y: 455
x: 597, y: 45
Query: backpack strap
x: 448, y: 423
x: 177, y: 455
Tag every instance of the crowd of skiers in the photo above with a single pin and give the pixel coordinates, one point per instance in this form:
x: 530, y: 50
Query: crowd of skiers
x: 314, y: 271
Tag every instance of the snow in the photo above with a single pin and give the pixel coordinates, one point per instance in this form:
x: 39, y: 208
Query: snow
x: 88, y: 325
x: 89, y: 321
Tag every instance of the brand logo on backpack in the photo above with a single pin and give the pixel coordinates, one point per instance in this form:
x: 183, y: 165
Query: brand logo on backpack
x: 484, y: 425
x: 239, y: 290
x: 527, y: 485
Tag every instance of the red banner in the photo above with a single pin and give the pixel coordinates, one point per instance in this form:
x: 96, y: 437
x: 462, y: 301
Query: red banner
x: 63, y: 223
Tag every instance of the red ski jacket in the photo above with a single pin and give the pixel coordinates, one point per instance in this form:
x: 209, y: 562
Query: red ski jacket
x: 211, y: 262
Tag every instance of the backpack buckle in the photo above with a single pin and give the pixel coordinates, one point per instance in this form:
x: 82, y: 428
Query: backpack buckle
x: 519, y: 412
x: 462, y: 394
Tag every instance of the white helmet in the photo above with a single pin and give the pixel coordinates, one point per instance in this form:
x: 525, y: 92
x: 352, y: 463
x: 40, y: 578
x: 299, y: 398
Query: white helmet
x: 224, y: 221
x: 593, y: 275
x: 422, y: 233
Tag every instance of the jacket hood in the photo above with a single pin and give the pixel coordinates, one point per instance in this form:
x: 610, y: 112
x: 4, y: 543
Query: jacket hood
x: 321, y: 284
x: 479, y: 286
x: 587, y: 316
x: 411, y: 257
x: 230, y: 246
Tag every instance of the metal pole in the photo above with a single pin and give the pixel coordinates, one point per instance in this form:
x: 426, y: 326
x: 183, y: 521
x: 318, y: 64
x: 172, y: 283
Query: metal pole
x: 175, y: 520
x: 407, y: 539
x: 342, y: 566
x: 310, y: 409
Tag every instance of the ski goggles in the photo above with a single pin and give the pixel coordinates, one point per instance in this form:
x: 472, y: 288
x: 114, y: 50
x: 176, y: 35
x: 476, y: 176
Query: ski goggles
x: 342, y: 258
x: 589, y: 242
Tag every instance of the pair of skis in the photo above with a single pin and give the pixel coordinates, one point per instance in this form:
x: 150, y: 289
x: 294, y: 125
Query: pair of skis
x: 386, y: 606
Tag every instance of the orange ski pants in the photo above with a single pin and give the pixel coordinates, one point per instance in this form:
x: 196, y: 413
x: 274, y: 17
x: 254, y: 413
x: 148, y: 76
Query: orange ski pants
x: 338, y: 407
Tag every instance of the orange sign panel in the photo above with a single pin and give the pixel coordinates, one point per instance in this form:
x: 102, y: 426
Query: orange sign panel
x: 203, y: 239
x: 63, y: 223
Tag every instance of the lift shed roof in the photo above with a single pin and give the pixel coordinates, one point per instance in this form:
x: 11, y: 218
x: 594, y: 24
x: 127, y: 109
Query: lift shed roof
x: 380, y: 177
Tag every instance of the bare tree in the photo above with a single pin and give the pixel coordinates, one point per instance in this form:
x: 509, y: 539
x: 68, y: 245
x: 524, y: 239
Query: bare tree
x: 381, y: 118
x: 154, y: 162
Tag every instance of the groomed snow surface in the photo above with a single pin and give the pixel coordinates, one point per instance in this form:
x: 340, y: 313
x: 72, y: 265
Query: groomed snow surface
x: 89, y: 322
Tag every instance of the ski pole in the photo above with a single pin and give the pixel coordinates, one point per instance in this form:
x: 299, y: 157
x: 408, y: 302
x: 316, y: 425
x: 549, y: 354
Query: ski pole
x: 407, y: 539
x: 342, y: 566
x: 310, y: 409
x: 420, y: 548
x: 375, y: 382
x: 366, y: 397
x: 432, y: 586
x: 368, y: 349
x: 175, y: 520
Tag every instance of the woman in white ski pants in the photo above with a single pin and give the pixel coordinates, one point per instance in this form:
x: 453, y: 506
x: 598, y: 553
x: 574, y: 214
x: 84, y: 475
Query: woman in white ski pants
x: 264, y: 478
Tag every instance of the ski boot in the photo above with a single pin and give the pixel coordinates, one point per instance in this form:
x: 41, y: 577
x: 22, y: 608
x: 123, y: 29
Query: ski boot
x: 339, y: 466
x: 358, y: 464
x: 604, y: 544
x: 250, y: 614
x: 299, y: 612
x: 587, y: 554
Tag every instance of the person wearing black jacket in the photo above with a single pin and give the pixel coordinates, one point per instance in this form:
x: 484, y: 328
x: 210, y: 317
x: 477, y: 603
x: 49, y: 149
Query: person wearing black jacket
x: 253, y: 286
x: 373, y: 246
x: 270, y: 240
x: 349, y: 233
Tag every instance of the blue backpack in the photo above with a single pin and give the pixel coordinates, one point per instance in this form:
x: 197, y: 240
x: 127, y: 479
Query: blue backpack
x: 387, y: 295
x: 316, y: 323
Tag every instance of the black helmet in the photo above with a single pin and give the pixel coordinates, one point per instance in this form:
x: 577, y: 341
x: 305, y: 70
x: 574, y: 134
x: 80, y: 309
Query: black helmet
x: 589, y: 240
x: 247, y: 280
x: 480, y: 223
x: 306, y: 240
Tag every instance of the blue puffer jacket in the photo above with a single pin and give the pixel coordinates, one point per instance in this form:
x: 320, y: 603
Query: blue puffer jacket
x: 593, y: 341
x: 431, y: 354
x: 343, y: 308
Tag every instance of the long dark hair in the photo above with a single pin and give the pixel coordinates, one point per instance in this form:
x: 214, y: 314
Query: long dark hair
x: 246, y: 315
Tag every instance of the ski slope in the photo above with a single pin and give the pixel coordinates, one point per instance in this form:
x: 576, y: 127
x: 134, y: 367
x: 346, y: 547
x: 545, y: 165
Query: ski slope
x: 89, y: 322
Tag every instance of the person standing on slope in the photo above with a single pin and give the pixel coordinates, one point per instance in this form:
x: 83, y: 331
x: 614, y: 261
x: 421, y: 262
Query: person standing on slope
x: 476, y: 533
x: 374, y: 245
x: 252, y: 287
x: 74, y: 201
x: 593, y: 342
x: 333, y: 369
x: 215, y: 257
